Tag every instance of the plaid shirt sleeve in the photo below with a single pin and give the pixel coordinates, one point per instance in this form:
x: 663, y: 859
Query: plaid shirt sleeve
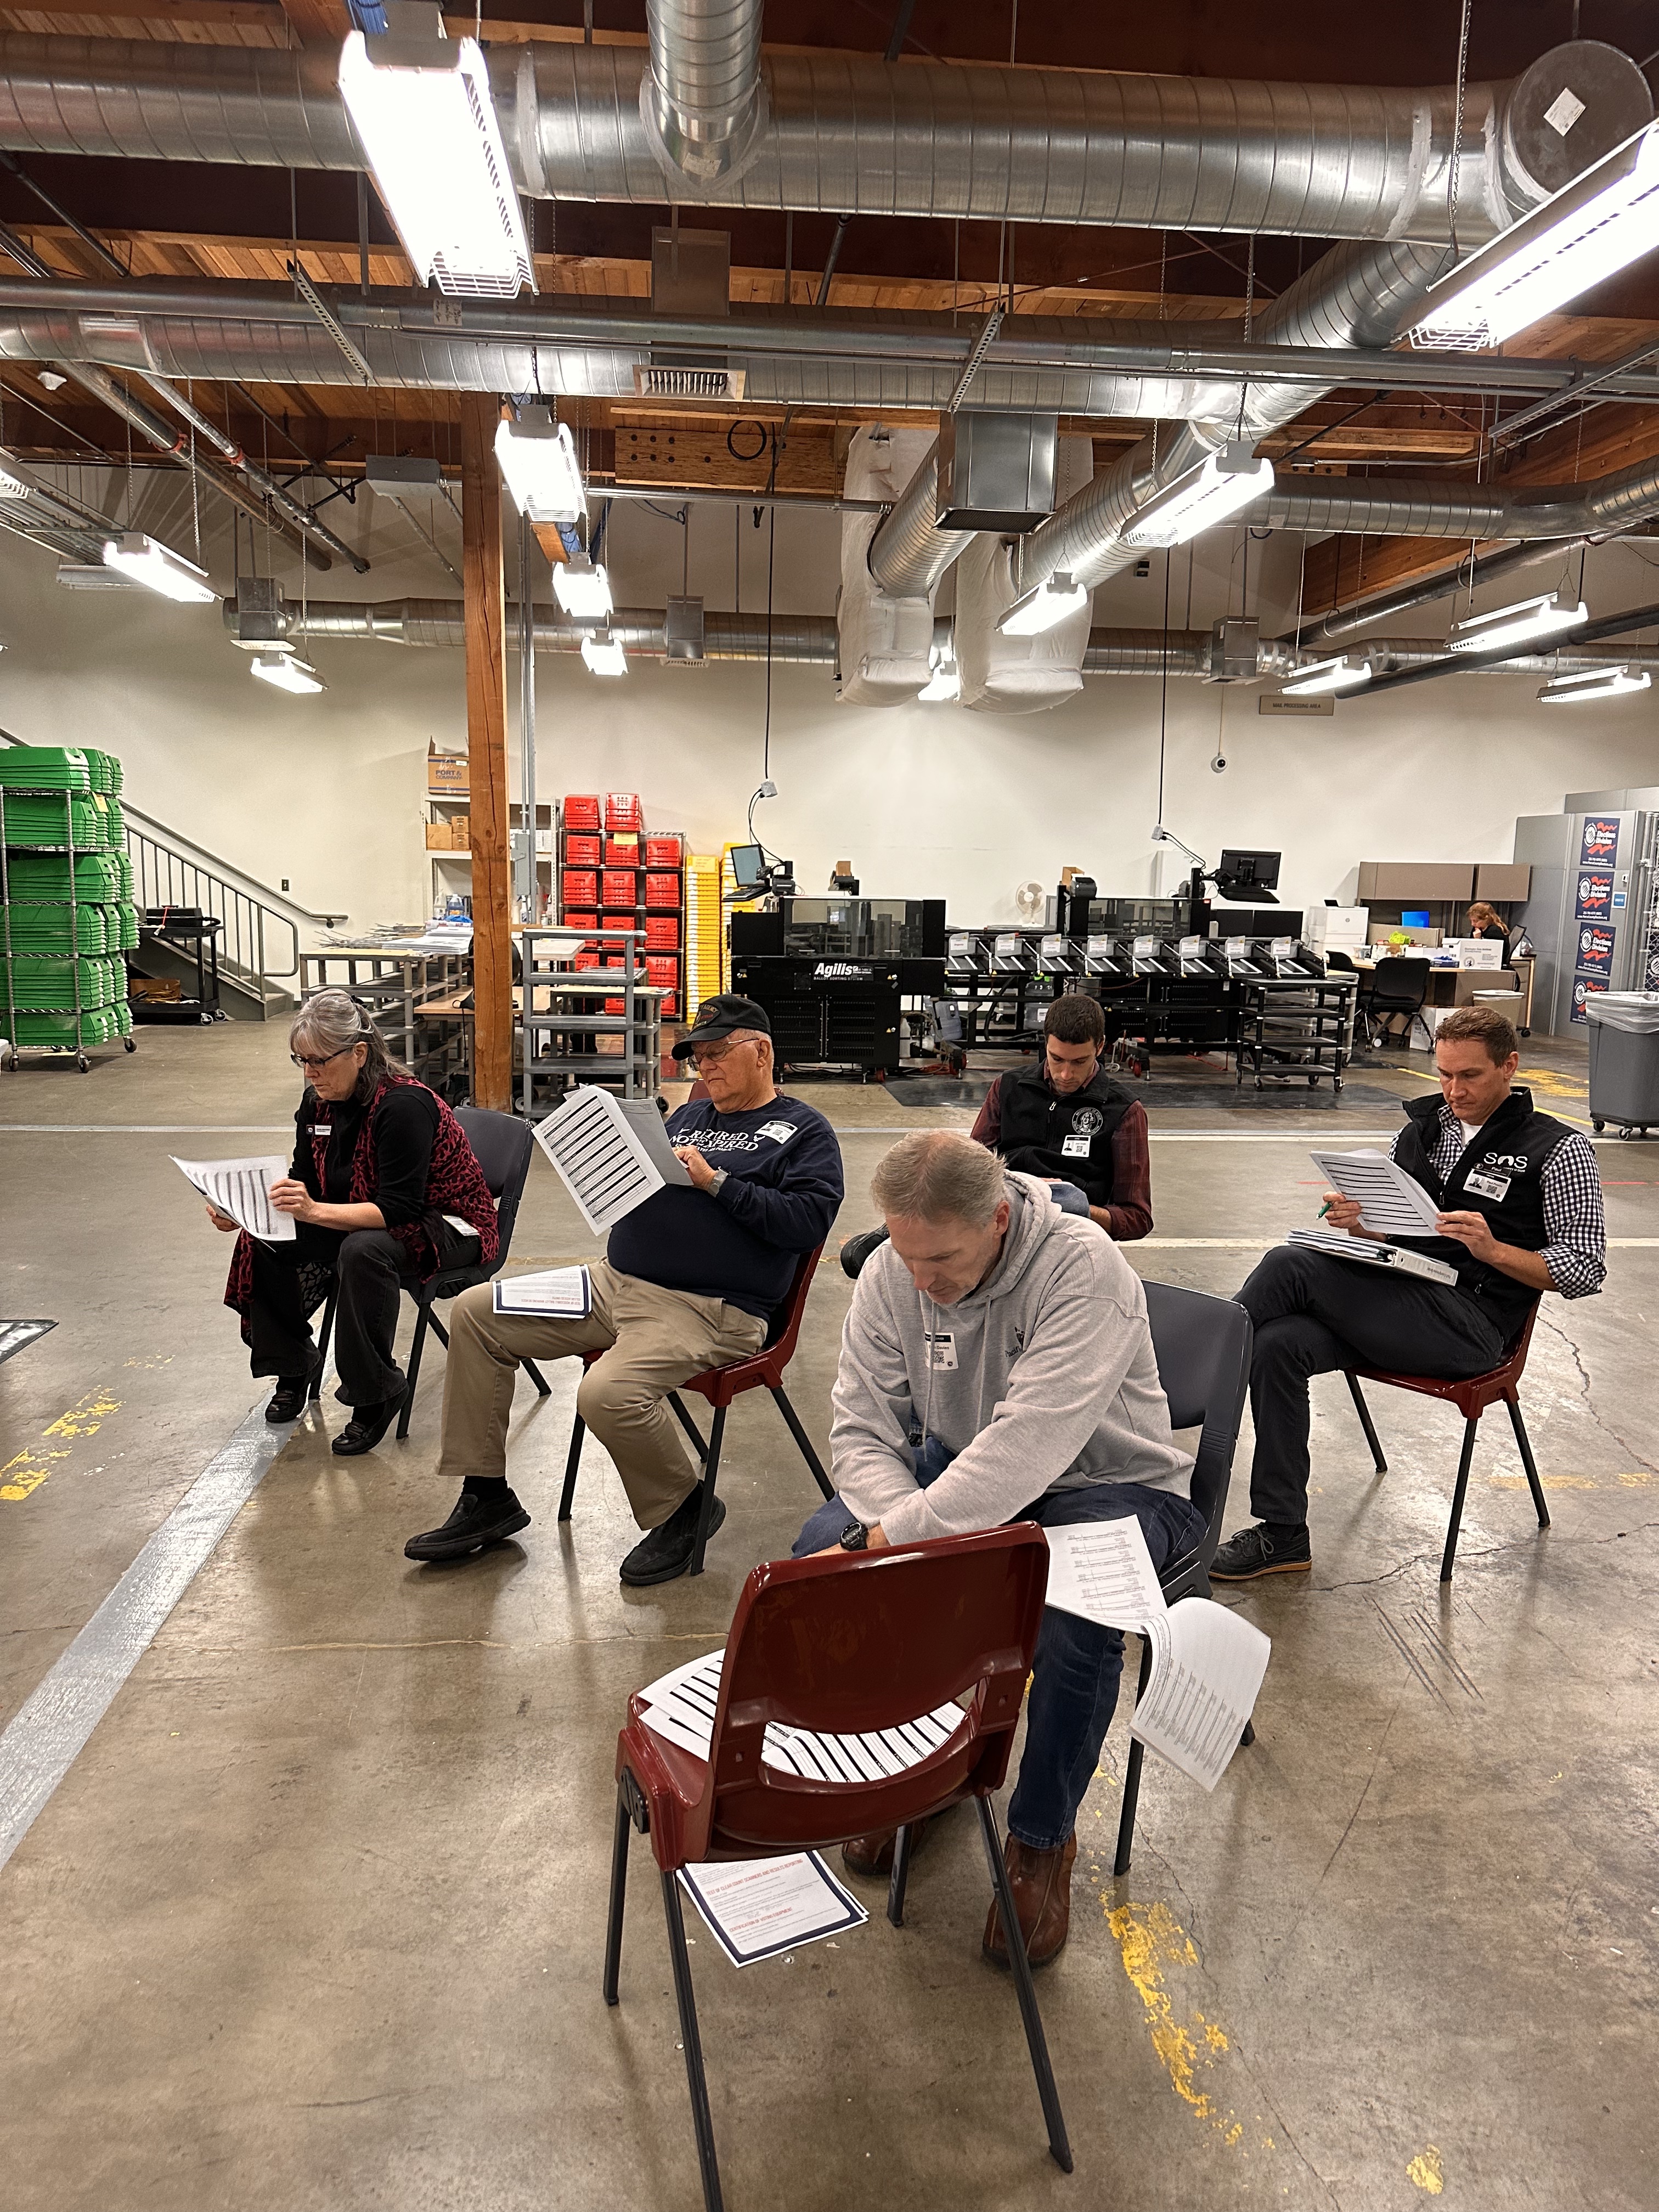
x: 1574, y: 1222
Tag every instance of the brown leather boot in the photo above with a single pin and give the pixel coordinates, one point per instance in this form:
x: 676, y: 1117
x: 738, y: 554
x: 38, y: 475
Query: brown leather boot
x: 873, y: 1856
x: 1041, y: 1883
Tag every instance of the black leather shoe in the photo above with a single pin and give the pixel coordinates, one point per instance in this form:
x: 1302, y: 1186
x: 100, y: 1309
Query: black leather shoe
x: 289, y: 1400
x: 1263, y: 1550
x: 368, y: 1425
x: 474, y: 1525
x: 663, y: 1552
x: 857, y: 1249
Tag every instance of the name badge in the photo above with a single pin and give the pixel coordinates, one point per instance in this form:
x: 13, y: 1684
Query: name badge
x: 1496, y: 1187
x: 779, y: 1132
x: 1074, y: 1148
x: 941, y: 1349
x: 322, y: 1128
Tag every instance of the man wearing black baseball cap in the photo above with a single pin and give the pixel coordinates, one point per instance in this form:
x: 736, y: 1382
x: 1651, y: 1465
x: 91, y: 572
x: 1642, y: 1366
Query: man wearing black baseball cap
x: 690, y: 1281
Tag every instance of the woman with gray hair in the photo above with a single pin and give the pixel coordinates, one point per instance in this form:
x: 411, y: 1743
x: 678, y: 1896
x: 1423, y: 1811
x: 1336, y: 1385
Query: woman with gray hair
x: 385, y: 1191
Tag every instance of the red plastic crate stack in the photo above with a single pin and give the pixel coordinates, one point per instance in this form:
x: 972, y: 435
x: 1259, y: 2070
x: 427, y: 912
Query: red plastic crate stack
x: 614, y: 875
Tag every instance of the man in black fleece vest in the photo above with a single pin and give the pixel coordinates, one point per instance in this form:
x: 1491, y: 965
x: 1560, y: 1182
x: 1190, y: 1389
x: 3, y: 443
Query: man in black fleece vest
x: 690, y: 1281
x: 1520, y: 1200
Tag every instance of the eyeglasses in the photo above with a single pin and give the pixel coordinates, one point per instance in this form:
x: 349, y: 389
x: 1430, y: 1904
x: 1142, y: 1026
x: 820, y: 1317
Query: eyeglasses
x: 709, y: 1055
x: 303, y: 1059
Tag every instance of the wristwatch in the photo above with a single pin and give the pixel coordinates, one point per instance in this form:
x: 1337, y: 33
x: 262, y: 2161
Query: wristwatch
x: 854, y: 1537
x: 715, y: 1187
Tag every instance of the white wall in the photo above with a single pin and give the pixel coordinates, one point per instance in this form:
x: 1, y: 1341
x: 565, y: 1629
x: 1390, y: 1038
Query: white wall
x: 926, y: 801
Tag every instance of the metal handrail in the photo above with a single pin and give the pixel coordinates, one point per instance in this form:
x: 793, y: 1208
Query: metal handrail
x: 275, y: 899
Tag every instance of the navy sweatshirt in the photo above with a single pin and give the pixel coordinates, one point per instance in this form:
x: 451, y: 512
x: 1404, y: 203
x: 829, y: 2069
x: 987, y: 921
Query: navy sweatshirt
x: 782, y: 1190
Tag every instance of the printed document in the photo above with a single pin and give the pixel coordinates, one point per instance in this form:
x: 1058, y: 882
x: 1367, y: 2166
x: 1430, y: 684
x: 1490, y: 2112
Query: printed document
x: 680, y: 1706
x: 561, y: 1294
x: 241, y: 1189
x: 612, y: 1153
x: 1207, y: 1663
x: 755, y: 1908
x: 1391, y: 1204
x: 1339, y: 1245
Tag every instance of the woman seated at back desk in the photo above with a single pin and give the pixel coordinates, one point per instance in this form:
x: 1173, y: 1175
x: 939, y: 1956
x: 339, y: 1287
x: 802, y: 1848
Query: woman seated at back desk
x: 386, y: 1192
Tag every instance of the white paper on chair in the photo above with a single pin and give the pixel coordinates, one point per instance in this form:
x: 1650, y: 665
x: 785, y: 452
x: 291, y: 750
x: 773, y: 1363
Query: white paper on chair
x: 241, y: 1189
x: 1390, y: 1203
x: 680, y: 1706
x: 611, y: 1154
x: 755, y: 1908
x: 1207, y: 1663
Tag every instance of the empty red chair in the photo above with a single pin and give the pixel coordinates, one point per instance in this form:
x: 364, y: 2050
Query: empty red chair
x: 1471, y: 1396
x: 841, y: 1646
x: 762, y: 1370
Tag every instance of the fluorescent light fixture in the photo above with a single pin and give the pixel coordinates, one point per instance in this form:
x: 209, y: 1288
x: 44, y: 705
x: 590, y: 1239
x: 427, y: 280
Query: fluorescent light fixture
x: 12, y: 487
x: 1338, y: 675
x: 1586, y: 232
x: 1043, y: 609
x: 945, y: 680
x: 1524, y: 622
x: 537, y: 463
x: 1221, y: 486
x: 89, y: 576
x: 604, y: 655
x: 286, y: 673
x: 140, y: 560
x: 420, y: 103
x: 582, y: 589
x: 1593, y: 683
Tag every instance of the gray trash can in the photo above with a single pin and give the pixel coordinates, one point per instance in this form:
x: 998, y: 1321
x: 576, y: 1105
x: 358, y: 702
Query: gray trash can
x: 1623, y: 1059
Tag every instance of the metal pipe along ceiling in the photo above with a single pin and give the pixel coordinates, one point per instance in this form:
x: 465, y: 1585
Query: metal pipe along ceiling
x: 848, y: 134
x: 811, y: 640
x: 700, y: 97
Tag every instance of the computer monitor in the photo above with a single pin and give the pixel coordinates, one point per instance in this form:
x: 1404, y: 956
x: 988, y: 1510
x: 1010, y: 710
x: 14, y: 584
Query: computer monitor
x: 748, y: 868
x: 1415, y: 917
x: 1244, y: 875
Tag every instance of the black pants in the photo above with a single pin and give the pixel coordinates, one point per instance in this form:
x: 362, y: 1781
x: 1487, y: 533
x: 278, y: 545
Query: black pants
x: 1314, y: 1314
x: 372, y: 1268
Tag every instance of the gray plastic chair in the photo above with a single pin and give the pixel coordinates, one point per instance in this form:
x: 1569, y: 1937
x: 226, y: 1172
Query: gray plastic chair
x: 1202, y: 1346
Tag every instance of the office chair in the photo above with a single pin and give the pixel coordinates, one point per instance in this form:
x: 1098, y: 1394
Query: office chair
x: 1397, y: 987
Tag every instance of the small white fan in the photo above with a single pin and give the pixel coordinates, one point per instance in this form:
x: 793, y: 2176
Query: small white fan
x: 1029, y: 901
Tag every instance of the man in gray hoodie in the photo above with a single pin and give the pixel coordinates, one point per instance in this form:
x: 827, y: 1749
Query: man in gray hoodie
x: 997, y: 1365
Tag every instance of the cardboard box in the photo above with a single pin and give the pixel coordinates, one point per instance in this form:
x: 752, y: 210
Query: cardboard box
x: 159, y: 990
x: 454, y: 836
x: 447, y: 775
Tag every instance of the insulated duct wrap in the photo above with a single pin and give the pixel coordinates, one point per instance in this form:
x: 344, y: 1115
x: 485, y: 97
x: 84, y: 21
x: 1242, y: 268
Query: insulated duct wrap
x: 886, y: 637
x: 1002, y: 675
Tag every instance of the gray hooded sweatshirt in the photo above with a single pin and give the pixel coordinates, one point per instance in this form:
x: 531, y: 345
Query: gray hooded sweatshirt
x: 1044, y: 1378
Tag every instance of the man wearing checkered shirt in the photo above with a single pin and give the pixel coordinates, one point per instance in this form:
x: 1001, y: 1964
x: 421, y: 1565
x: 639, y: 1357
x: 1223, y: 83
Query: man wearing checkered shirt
x: 1521, y: 1214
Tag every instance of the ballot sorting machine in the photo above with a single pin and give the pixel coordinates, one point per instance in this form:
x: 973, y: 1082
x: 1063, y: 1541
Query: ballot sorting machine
x: 1244, y: 984
x: 847, y: 983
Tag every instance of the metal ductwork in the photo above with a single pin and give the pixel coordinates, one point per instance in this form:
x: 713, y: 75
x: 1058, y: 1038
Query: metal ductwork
x: 701, y: 99
x: 1395, y: 508
x: 1349, y: 620
x: 848, y: 134
x: 809, y: 640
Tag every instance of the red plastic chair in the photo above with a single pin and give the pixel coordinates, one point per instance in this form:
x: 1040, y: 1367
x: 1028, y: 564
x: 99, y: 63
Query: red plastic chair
x: 842, y: 1645
x: 762, y: 1370
x: 1471, y: 1396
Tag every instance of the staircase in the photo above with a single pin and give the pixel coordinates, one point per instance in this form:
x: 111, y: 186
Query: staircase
x: 259, y: 935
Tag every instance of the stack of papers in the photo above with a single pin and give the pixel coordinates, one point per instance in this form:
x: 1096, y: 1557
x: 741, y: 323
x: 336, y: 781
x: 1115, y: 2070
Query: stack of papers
x: 1207, y: 1663
x: 755, y: 1908
x: 612, y: 1153
x: 681, y: 1708
x: 241, y: 1189
x: 1391, y: 1204
x: 560, y: 1294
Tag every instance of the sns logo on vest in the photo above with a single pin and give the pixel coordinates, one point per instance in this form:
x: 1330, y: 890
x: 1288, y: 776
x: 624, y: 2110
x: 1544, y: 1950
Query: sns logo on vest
x: 1492, y: 1179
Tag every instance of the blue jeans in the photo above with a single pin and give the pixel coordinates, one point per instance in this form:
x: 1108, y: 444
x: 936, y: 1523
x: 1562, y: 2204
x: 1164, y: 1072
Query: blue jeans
x: 1075, y: 1675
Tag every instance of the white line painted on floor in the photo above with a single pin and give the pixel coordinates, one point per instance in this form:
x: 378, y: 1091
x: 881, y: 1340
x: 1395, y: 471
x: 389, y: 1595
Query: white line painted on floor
x: 47, y: 1734
x: 1264, y: 1244
x: 144, y: 1129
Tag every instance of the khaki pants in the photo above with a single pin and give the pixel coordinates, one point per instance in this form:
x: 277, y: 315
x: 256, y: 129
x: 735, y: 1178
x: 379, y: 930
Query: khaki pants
x: 652, y: 1340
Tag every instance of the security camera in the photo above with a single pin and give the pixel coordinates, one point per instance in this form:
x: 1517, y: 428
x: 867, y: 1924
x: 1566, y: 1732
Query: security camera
x: 1218, y: 765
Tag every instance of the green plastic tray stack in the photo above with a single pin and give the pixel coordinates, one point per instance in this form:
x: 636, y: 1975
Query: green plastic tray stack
x: 71, y: 916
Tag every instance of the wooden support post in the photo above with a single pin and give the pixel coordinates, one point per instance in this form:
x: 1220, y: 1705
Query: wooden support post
x: 486, y: 740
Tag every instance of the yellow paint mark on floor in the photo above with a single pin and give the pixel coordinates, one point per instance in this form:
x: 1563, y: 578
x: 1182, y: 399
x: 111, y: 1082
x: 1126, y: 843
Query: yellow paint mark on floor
x: 22, y: 1476
x: 1635, y: 1480
x: 1550, y: 1481
x: 1155, y: 1949
x: 1427, y: 2171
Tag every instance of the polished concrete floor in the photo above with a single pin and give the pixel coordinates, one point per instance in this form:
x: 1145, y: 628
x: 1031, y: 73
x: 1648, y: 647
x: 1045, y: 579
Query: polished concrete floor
x: 314, y: 1919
